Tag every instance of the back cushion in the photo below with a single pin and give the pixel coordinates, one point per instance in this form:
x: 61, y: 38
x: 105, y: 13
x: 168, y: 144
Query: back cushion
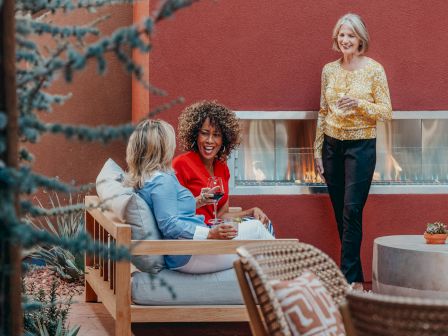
x: 308, y: 306
x: 127, y: 207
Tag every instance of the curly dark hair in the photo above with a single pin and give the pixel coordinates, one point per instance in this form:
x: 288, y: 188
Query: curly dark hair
x: 194, y: 116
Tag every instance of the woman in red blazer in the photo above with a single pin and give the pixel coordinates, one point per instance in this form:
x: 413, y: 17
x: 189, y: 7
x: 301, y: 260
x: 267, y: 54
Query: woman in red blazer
x: 208, y: 132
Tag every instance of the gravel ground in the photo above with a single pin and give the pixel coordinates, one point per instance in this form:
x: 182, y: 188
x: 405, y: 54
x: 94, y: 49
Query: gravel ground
x: 42, y: 278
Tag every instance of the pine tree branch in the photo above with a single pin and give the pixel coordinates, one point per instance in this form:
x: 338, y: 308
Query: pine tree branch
x: 167, y: 8
x: 53, y: 63
x: 25, y: 155
x: 27, y: 207
x: 30, y: 124
x: 130, y: 36
x: 26, y: 181
x: 29, y: 237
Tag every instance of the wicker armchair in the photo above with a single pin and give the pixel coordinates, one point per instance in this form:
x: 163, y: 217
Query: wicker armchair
x: 259, y: 263
x: 375, y: 314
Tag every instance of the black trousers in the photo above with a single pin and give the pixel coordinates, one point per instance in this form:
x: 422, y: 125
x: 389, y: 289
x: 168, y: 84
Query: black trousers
x: 348, y: 171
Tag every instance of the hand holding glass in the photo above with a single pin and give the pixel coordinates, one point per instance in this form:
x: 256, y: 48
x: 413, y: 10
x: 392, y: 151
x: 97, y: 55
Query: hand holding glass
x: 233, y: 223
x: 225, y: 229
x: 216, y: 189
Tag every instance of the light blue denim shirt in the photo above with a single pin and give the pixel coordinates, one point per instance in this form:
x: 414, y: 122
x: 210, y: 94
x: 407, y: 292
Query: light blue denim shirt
x: 174, y: 209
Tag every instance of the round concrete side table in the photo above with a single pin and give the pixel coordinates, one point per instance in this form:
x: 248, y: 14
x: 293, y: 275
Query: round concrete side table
x: 407, y: 266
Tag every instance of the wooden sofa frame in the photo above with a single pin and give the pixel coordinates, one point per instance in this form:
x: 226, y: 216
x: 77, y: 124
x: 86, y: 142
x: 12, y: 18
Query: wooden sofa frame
x: 110, y: 282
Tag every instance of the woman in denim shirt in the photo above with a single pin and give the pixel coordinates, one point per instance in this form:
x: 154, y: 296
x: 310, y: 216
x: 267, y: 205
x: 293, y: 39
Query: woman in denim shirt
x: 149, y: 155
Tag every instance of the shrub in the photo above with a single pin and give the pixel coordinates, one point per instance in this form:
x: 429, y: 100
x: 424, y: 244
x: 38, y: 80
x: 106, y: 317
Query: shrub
x: 69, y: 266
x: 47, y: 313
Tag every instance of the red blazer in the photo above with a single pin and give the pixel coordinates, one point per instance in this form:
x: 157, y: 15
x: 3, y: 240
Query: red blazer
x: 192, y: 174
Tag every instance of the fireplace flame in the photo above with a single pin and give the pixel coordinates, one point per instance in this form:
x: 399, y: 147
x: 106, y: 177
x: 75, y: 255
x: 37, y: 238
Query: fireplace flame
x: 392, y: 170
x: 306, y: 172
x: 258, y: 172
x: 396, y: 168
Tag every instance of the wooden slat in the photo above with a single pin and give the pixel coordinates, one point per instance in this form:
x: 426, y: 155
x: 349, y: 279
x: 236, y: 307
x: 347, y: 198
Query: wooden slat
x: 90, y: 295
x: 181, y: 247
x: 101, y: 257
x: 96, y: 230
x: 89, y: 223
x: 110, y: 226
x: 101, y: 288
x: 107, y: 259
x: 224, y: 313
x: 112, y: 267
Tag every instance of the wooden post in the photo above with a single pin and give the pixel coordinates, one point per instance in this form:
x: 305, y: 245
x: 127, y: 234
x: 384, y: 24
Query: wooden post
x: 257, y: 326
x: 11, y: 316
x: 123, y: 287
x: 140, y: 96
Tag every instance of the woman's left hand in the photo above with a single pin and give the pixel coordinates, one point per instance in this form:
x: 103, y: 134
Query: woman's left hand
x: 347, y: 103
x: 260, y: 215
x: 222, y: 231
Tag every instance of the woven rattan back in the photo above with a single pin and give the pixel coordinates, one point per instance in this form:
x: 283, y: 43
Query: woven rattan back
x: 285, y: 261
x: 375, y: 315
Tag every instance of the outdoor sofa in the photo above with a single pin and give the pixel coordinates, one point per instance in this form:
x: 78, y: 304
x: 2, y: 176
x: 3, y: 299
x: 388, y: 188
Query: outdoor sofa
x: 143, y: 295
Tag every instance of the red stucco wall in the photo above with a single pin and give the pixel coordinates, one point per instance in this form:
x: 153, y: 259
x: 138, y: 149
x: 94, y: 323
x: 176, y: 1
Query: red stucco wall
x: 96, y: 100
x: 310, y: 218
x: 268, y: 55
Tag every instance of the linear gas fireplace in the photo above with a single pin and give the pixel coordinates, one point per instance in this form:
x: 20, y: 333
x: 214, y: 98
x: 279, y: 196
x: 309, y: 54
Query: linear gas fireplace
x: 276, y: 154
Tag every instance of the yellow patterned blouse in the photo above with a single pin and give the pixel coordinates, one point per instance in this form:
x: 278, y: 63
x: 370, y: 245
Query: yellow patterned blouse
x: 369, y: 86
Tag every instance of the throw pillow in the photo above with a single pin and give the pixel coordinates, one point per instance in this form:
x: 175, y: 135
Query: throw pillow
x: 127, y: 207
x: 111, y: 192
x: 308, y: 306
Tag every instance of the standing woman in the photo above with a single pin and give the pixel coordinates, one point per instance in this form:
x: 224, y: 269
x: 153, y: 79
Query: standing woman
x: 354, y: 96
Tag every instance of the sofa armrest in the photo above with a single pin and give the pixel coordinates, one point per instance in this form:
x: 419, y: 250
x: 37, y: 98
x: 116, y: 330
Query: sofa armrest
x: 160, y: 247
x: 116, y: 230
x: 196, y: 247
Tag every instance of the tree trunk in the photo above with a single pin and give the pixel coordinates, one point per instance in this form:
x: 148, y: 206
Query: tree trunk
x: 11, y: 316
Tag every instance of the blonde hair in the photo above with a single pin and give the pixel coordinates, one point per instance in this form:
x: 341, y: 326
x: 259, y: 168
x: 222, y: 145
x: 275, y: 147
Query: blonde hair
x: 358, y: 26
x: 150, y: 149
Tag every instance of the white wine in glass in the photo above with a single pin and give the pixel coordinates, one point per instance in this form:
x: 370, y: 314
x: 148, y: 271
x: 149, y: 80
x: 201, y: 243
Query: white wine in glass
x: 341, y: 90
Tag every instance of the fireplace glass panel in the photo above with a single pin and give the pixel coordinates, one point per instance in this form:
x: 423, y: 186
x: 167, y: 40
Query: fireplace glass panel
x: 273, y: 150
x: 280, y: 153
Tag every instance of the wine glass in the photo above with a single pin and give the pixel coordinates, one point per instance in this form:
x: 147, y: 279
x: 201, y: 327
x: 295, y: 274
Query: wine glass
x: 216, y: 188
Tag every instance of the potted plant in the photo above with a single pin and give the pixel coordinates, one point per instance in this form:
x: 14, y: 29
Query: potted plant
x: 436, y: 233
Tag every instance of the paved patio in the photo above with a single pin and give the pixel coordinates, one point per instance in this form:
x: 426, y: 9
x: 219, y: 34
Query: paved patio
x: 96, y: 321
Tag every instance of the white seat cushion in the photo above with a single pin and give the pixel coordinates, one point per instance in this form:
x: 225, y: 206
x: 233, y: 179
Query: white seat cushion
x: 189, y: 289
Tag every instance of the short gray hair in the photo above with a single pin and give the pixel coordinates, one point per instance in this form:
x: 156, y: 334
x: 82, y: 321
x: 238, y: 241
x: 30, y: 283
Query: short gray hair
x: 355, y: 22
